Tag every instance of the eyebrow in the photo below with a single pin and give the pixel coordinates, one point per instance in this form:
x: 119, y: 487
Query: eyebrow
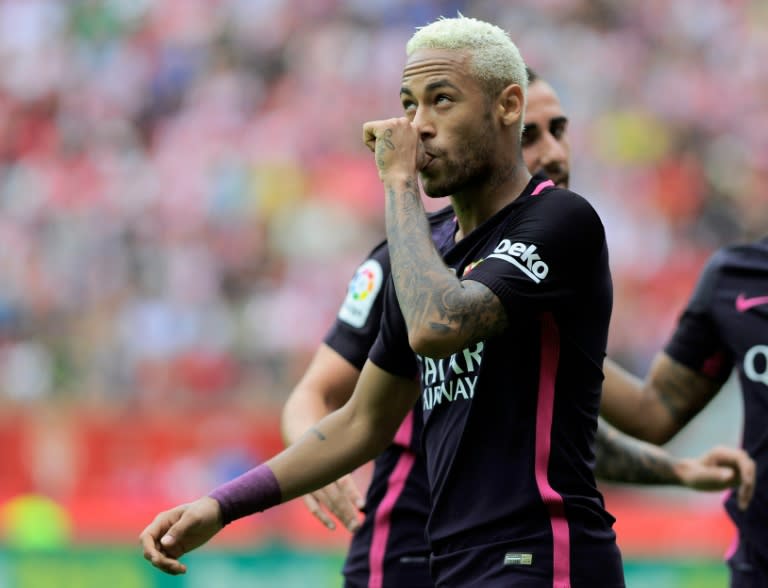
x: 558, y: 120
x: 431, y: 87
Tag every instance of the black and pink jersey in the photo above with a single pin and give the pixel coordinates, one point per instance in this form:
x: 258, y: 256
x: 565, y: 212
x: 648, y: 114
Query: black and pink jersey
x: 725, y: 325
x: 390, y: 549
x: 510, y: 421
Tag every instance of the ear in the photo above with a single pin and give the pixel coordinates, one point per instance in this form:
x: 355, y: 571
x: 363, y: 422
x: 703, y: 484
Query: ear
x: 510, y: 104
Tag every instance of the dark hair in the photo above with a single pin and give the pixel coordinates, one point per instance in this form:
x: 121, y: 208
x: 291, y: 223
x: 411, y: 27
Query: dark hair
x: 532, y: 75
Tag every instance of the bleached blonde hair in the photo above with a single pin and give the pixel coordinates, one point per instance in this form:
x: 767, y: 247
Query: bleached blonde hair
x: 495, y: 60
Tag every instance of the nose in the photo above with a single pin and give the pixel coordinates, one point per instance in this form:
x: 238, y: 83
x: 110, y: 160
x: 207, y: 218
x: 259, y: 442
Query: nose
x: 423, y: 123
x: 553, y: 151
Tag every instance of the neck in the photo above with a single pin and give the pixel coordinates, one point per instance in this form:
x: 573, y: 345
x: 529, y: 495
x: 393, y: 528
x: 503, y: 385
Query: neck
x: 477, y: 204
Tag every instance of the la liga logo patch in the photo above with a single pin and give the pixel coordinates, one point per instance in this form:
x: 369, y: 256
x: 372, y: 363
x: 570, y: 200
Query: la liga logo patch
x: 363, y: 284
x: 363, y: 288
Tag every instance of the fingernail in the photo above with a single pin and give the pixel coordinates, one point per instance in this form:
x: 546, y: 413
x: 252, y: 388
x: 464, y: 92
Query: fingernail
x: 167, y: 539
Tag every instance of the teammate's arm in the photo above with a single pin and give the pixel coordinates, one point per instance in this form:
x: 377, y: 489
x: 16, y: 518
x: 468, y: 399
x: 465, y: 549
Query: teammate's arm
x: 655, y: 409
x: 326, y: 386
x: 620, y: 458
x: 342, y: 441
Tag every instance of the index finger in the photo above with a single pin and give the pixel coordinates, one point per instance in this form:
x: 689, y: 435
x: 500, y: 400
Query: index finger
x: 369, y: 135
x: 154, y: 554
x: 745, y: 468
x: 153, y: 549
x: 747, y: 485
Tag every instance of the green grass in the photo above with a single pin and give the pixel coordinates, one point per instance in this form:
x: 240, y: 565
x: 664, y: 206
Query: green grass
x: 272, y: 566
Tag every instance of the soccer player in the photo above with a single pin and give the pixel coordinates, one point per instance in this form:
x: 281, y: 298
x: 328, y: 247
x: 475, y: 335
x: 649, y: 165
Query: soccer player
x: 389, y: 548
x: 724, y: 326
x: 510, y: 334
x: 508, y: 319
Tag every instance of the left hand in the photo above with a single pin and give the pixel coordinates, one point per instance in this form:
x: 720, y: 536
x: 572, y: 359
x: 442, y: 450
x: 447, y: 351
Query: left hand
x: 397, y: 146
x: 178, y: 531
x: 718, y: 469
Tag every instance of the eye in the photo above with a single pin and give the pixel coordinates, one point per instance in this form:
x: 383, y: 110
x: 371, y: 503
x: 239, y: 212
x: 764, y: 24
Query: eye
x: 408, y: 105
x: 530, y: 135
x: 558, y: 128
x: 442, y: 99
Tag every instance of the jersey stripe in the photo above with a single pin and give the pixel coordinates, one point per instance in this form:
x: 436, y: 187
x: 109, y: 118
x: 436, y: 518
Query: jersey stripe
x: 734, y: 546
x: 561, y: 548
x: 545, y: 184
x: 395, y: 485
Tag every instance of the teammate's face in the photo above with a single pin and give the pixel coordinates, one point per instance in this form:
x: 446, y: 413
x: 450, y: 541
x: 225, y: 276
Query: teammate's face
x: 453, y: 116
x: 545, y: 138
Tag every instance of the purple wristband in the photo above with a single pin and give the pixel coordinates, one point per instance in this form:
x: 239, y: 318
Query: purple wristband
x: 254, y: 491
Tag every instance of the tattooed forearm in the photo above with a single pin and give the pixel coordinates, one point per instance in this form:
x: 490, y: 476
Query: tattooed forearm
x: 623, y: 459
x: 317, y: 433
x: 430, y: 295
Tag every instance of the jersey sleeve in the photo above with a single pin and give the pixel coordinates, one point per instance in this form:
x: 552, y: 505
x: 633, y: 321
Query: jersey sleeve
x: 696, y: 342
x: 540, y: 262
x: 357, y: 322
x: 391, y: 350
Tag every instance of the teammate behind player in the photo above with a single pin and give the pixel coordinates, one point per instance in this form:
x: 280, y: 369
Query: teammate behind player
x: 724, y: 326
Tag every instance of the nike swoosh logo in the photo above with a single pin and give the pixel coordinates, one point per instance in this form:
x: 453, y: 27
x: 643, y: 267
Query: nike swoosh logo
x: 743, y: 304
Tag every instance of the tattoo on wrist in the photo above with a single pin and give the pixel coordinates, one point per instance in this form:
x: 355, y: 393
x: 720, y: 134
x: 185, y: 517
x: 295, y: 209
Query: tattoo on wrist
x: 317, y: 433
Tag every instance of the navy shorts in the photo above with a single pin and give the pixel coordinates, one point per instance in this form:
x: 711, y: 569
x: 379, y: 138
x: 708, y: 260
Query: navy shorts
x: 410, y: 572
x: 748, y: 568
x: 507, y: 565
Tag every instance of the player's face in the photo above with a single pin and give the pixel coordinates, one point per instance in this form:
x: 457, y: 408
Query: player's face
x: 453, y: 116
x: 545, y: 138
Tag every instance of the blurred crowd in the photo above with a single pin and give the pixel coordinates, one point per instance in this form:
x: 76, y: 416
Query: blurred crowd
x: 184, y: 192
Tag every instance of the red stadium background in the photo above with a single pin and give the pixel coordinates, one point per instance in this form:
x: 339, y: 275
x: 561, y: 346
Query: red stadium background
x: 184, y: 195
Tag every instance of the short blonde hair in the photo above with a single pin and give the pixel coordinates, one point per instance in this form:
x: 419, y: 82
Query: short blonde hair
x: 495, y: 59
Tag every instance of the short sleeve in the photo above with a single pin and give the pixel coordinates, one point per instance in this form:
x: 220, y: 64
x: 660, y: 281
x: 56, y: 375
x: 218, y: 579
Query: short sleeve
x: 696, y: 342
x: 357, y: 322
x: 391, y: 350
x: 543, y: 261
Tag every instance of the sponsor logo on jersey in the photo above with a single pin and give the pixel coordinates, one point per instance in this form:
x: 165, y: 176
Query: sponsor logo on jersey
x: 743, y: 304
x: 756, y: 364
x: 361, y: 293
x: 524, y: 257
x: 452, y: 378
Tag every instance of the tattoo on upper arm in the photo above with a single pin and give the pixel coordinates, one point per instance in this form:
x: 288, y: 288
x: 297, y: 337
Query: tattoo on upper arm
x: 683, y: 391
x: 476, y: 310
